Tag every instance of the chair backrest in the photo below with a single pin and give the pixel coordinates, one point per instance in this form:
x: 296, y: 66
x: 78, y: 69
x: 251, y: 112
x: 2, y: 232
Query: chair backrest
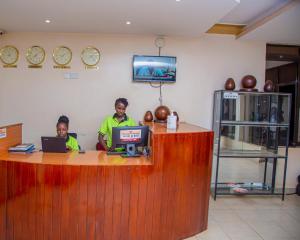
x: 99, y: 147
x: 74, y: 135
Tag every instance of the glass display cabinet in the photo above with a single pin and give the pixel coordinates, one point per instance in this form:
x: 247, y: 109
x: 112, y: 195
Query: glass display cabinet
x: 250, y: 127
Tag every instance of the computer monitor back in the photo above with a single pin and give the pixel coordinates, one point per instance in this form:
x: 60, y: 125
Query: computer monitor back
x: 54, y: 144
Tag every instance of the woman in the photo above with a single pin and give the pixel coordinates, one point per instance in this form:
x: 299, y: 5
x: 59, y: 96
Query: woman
x: 119, y: 119
x: 62, y: 127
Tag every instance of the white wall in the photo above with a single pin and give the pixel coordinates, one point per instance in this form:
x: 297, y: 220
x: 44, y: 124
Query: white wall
x: 37, y: 97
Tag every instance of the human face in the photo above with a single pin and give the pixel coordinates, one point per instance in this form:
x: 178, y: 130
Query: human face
x: 62, y: 130
x: 120, y: 110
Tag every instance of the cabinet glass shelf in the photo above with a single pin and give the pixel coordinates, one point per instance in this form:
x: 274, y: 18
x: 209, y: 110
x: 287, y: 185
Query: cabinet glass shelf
x: 228, y: 153
x: 223, y: 190
x: 250, y: 125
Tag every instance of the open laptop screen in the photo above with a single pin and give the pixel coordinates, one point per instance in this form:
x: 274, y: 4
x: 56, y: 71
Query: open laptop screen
x: 54, y: 144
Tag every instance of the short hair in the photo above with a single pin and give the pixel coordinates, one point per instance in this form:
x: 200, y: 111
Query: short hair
x: 121, y: 100
x: 63, y: 119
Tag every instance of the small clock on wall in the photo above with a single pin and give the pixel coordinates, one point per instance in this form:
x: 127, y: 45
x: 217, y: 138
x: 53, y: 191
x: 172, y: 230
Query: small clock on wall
x: 9, y: 55
x: 90, y: 56
x: 62, y: 56
x: 35, y: 56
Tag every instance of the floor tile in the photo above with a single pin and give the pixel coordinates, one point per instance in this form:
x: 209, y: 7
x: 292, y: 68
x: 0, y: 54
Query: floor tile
x: 239, y: 230
x: 270, y: 231
x: 252, y: 218
x: 214, y: 232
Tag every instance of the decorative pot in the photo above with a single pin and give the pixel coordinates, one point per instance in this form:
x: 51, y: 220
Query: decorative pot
x: 148, y: 117
x: 269, y: 86
x: 248, y: 83
x: 161, y: 113
x: 229, y: 84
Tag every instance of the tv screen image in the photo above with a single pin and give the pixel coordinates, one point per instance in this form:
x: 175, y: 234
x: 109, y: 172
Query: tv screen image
x: 154, y: 68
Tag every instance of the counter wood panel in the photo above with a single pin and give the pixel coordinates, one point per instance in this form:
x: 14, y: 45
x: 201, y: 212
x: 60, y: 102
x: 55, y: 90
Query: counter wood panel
x: 165, y: 197
x: 13, y: 136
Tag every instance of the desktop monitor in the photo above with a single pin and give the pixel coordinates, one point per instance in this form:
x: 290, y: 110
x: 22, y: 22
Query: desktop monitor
x: 130, y: 138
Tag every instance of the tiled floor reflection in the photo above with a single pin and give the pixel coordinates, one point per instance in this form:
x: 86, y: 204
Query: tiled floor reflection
x: 253, y: 218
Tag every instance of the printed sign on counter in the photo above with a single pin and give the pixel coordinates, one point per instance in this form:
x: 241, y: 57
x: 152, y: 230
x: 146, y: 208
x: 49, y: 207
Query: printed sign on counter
x: 130, y: 135
x: 2, y: 133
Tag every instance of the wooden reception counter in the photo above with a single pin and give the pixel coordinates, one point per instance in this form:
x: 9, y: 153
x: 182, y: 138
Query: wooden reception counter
x: 95, y: 196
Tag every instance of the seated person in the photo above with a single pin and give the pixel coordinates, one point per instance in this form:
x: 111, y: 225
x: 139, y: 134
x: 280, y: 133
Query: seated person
x: 119, y: 119
x: 62, y: 127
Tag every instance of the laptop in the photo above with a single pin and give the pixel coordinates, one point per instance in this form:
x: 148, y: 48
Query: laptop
x: 54, y: 144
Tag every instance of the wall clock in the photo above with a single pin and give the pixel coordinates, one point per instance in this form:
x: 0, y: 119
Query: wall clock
x: 90, y: 56
x: 62, y: 56
x: 9, y: 55
x: 35, y: 56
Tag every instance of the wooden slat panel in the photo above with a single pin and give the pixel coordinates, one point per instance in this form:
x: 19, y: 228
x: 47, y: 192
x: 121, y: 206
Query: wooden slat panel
x: 13, y: 136
x: 40, y: 198
x: 25, y: 186
x: 92, y: 203
x: 134, y: 197
x: 18, y: 202
x: 56, y: 202
x: 31, y: 202
x: 158, y: 186
x: 126, y: 192
x: 141, y: 203
x: 117, y: 203
x: 48, y: 202
x: 108, y: 203
x: 68, y: 228
x: 11, y: 198
x: 83, y: 201
x: 3, y: 198
x: 72, y: 183
x: 166, y: 200
x: 100, y: 200
x: 151, y: 200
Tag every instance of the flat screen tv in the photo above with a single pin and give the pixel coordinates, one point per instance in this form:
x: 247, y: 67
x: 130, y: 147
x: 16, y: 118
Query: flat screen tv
x: 154, y: 69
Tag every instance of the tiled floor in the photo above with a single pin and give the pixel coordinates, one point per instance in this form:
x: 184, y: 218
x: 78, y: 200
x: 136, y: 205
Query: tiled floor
x: 253, y: 218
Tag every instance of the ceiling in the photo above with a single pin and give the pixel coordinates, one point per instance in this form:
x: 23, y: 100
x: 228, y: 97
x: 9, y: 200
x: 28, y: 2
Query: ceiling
x: 283, y: 29
x: 159, y: 17
x: 150, y: 17
x: 249, y: 10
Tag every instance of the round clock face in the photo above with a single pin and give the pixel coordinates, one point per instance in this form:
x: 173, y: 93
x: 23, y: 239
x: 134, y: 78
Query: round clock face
x: 9, y: 55
x: 62, y: 55
x: 160, y: 42
x: 90, y: 56
x: 35, y: 55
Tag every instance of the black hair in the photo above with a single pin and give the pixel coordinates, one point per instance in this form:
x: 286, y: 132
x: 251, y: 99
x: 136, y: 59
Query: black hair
x: 63, y: 119
x: 121, y: 100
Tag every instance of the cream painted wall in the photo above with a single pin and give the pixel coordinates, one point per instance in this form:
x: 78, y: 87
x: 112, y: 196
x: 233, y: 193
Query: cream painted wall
x: 37, y: 97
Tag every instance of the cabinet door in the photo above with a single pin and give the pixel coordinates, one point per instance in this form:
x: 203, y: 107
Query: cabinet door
x: 288, y: 73
x: 272, y: 74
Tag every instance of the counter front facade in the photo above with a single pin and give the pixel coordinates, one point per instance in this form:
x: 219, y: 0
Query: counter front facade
x: 95, y: 196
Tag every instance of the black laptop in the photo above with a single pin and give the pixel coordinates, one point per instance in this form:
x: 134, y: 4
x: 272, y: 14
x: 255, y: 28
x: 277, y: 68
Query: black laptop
x: 54, y: 144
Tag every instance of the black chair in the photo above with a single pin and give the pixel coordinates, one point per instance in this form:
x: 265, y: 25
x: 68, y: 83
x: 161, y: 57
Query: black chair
x: 74, y: 135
